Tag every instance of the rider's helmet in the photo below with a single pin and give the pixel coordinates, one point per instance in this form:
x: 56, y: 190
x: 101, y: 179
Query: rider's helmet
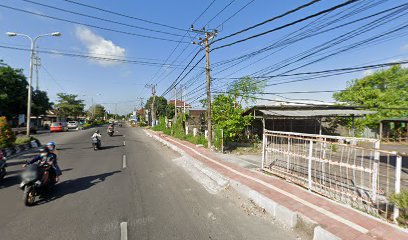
x: 97, y: 131
x: 51, y: 146
x: 44, y: 151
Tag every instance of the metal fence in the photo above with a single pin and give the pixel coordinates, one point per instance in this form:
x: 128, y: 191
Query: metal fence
x: 350, y: 170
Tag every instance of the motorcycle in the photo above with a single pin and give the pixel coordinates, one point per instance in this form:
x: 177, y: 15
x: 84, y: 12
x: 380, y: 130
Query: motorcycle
x: 32, y: 183
x: 96, y: 143
x: 110, y: 132
x: 3, y: 166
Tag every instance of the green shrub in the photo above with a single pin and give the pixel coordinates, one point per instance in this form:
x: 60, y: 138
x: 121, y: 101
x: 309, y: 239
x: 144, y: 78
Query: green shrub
x: 23, y: 140
x: 86, y: 125
x: 7, y: 136
x: 401, y: 200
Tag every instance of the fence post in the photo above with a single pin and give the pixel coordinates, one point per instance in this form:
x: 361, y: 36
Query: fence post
x: 288, y: 156
x: 309, y: 165
x: 375, y: 171
x: 264, y: 139
x: 222, y: 140
x: 398, y: 168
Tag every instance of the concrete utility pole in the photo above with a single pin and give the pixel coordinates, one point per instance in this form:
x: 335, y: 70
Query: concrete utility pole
x: 175, y: 105
x: 209, y: 35
x: 37, y: 64
x: 153, y: 113
x: 30, y: 78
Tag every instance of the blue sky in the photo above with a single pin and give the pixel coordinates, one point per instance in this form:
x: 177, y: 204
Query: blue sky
x: 108, y: 82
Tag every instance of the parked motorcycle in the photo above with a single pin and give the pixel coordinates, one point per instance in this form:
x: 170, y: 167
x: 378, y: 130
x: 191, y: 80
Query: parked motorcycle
x: 96, y: 143
x: 3, y: 166
x: 32, y: 181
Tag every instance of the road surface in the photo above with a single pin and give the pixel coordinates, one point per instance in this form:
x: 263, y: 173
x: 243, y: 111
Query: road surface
x: 131, y: 187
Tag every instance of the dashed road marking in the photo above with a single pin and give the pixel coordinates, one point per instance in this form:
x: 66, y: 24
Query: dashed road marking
x: 124, y: 161
x: 124, y: 143
x: 123, y: 231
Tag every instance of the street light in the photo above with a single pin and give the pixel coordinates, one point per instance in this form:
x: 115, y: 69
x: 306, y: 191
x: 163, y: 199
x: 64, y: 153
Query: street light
x: 33, y: 42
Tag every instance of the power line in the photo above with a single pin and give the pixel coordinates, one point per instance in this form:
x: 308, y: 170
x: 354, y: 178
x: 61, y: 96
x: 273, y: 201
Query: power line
x: 334, y: 70
x: 347, y: 37
x: 119, y: 60
x: 101, y: 19
x: 124, y: 15
x: 287, y: 25
x: 233, y: 15
x: 270, y: 20
x: 52, y: 78
x: 89, y: 25
x: 185, y: 48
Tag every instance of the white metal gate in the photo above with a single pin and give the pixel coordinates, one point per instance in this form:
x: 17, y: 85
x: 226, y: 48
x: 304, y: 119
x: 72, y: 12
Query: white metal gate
x: 351, y: 170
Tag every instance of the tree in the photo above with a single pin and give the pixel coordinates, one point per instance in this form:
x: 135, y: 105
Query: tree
x: 69, y: 105
x: 244, y: 90
x: 383, y: 89
x: 160, y: 105
x: 7, y: 136
x: 41, y: 103
x: 96, y: 111
x: 170, y: 111
x: 227, y: 116
x: 13, y: 91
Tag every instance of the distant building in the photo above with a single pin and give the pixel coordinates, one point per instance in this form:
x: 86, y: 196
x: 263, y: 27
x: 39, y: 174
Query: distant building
x: 196, y: 119
x: 180, y: 105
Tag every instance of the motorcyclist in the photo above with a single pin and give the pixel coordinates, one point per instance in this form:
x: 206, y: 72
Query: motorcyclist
x: 111, y: 127
x: 52, y: 148
x: 96, y: 135
x: 45, y: 155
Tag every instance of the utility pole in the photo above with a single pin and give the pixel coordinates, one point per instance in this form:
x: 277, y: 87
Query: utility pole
x: 208, y: 36
x: 175, y: 105
x: 153, y: 112
x: 37, y: 64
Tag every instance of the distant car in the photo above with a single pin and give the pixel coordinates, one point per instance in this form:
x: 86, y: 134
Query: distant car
x: 58, y: 127
x: 73, y: 125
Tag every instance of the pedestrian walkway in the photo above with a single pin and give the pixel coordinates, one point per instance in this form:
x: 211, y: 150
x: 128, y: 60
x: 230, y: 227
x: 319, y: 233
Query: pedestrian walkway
x: 341, y: 222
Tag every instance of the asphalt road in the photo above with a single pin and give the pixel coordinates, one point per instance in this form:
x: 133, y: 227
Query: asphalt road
x: 155, y: 197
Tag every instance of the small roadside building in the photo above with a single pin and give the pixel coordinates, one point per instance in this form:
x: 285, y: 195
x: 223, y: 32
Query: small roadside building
x: 394, y: 130
x: 303, y: 118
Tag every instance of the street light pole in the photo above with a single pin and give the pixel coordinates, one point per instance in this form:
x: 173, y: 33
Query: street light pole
x: 30, y: 78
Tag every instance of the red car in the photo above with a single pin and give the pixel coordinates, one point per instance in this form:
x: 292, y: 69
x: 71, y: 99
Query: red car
x: 57, y: 127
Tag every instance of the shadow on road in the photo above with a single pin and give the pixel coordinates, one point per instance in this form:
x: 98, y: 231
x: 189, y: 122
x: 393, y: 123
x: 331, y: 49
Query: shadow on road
x: 109, y: 147
x: 76, y: 185
x: 9, y: 181
x: 117, y: 135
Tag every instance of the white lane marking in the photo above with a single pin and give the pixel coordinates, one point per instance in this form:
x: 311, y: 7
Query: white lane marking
x: 124, y: 143
x: 124, y: 161
x: 317, y: 208
x: 123, y: 231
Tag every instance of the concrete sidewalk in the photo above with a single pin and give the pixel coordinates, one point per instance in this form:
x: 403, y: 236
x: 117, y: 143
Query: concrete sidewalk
x: 290, y: 204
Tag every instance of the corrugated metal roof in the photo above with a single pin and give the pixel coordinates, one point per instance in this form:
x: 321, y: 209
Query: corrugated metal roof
x: 315, y: 113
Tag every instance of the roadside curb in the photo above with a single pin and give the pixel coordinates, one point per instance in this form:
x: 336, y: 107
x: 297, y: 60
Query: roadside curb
x: 18, y: 150
x: 216, y: 177
x: 280, y: 213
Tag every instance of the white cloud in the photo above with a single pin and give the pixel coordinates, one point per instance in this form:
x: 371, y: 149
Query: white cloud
x: 99, y: 47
